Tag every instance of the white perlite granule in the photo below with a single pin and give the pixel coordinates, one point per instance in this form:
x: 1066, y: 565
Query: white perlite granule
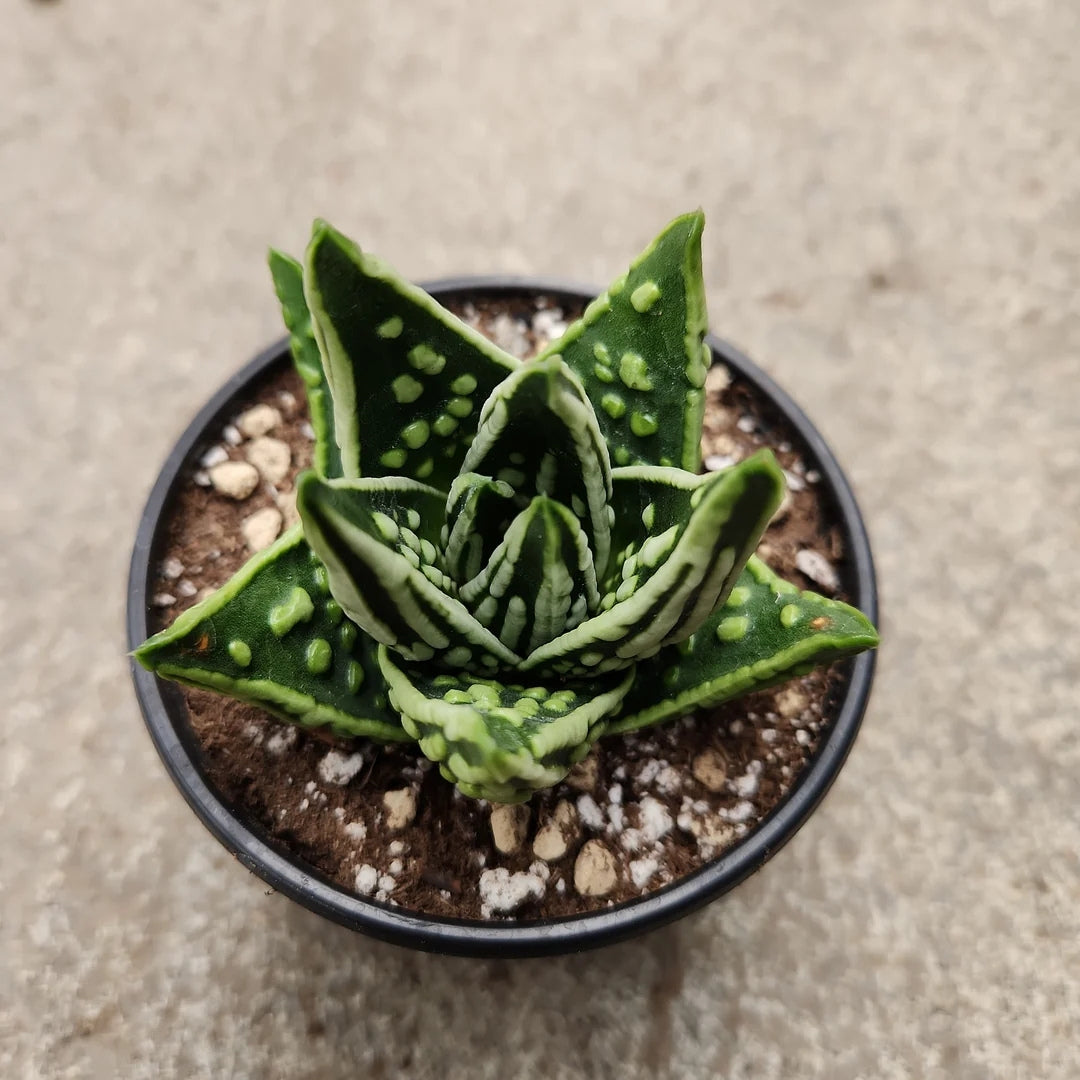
x: 668, y: 780
x: 655, y: 820
x: 367, y: 877
x: 281, y: 740
x: 741, y: 811
x: 502, y: 892
x: 337, y: 768
x: 641, y: 870
x: 746, y: 786
x: 590, y: 814
x: 356, y: 830
x: 649, y: 771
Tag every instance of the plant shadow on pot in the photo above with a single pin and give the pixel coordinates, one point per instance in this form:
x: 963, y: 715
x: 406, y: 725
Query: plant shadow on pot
x: 166, y: 716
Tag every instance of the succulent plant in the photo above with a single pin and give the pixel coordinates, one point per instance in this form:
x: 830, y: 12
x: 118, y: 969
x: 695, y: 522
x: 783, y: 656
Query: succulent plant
x: 505, y: 560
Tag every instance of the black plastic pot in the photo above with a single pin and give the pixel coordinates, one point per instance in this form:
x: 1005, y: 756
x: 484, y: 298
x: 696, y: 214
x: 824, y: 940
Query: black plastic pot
x: 165, y: 714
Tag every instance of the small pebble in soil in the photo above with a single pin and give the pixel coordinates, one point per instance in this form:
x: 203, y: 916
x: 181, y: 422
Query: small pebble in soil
x: 502, y: 893
x: 549, y: 843
x: 554, y: 838
x: 258, y: 420
x: 710, y: 769
x: 817, y: 568
x: 791, y: 702
x: 163, y: 599
x: 794, y: 481
x: 286, y: 502
x: 172, y: 569
x: 594, y: 870
x: 262, y: 528
x: 718, y: 379
x: 214, y: 456
x: 582, y: 776
x: 716, y: 462
x: 272, y: 457
x: 509, y: 824
x: 231, y: 434
x: 236, y: 479
x: 400, y: 806
x: 185, y: 589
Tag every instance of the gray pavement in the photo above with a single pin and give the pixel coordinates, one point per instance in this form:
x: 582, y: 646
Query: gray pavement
x: 894, y: 229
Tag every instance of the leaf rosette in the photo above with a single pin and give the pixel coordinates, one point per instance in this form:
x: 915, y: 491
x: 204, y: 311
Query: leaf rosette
x: 503, y: 560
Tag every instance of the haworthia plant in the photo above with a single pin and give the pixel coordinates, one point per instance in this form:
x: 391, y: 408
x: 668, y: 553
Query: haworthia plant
x: 506, y: 561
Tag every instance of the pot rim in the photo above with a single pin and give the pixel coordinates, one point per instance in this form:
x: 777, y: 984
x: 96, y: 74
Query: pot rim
x: 162, y: 707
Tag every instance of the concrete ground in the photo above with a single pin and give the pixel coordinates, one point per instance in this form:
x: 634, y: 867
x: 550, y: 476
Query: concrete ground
x: 894, y: 228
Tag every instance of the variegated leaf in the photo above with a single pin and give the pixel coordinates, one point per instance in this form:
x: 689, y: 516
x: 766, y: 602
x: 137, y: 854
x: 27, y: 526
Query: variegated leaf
x: 478, y: 513
x: 689, y: 551
x: 639, y: 351
x: 274, y: 637
x: 378, y: 539
x: 407, y: 377
x: 288, y: 278
x: 497, y: 741
x: 538, y: 433
x: 539, y: 582
x: 766, y: 632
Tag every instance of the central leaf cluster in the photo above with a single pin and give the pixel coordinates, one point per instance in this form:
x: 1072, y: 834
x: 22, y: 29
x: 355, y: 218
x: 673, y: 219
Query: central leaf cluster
x: 541, y: 557
x: 529, y: 519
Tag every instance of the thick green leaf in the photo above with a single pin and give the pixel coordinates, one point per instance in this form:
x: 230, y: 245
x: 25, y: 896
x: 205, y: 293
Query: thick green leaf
x: 702, y: 531
x: 478, y: 513
x: 639, y: 351
x: 288, y: 278
x: 497, y: 741
x: 407, y: 377
x: 274, y: 637
x: 538, y: 433
x: 766, y: 632
x: 539, y: 582
x: 378, y: 539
